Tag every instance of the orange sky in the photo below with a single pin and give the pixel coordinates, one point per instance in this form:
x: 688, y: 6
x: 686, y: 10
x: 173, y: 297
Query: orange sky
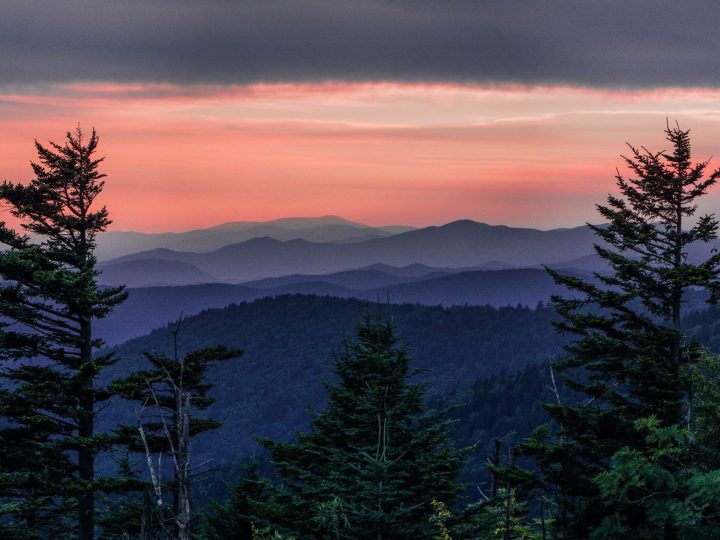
x: 183, y: 157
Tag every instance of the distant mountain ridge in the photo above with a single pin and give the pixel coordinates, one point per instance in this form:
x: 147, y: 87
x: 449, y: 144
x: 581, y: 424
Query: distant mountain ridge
x: 265, y: 262
x: 152, y: 307
x: 116, y: 244
x: 292, y: 223
x: 460, y: 244
x: 368, y: 278
x: 152, y: 273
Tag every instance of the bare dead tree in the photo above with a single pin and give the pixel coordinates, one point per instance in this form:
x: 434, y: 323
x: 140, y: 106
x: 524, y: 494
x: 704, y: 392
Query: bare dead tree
x: 494, y: 461
x: 173, y: 391
x: 179, y: 446
x: 155, y: 471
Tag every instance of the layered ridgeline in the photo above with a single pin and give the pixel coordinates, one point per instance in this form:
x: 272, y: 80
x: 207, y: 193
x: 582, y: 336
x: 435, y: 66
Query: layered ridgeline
x: 289, y: 342
x: 460, y: 245
x: 151, y: 307
x: 459, y: 263
x: 463, y: 262
x: 457, y: 246
x: 115, y: 244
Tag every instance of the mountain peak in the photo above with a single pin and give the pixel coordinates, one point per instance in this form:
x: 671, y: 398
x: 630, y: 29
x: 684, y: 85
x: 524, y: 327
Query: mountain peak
x: 464, y: 223
x: 297, y: 223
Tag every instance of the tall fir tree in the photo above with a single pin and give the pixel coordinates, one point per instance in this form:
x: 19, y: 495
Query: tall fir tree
x: 374, y: 460
x: 631, y: 360
x: 49, y: 299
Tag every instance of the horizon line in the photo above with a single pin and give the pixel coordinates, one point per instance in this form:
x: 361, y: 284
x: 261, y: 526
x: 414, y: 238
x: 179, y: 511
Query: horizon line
x: 342, y: 218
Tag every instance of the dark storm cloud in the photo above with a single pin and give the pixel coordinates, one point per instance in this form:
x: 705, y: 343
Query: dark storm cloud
x: 629, y: 43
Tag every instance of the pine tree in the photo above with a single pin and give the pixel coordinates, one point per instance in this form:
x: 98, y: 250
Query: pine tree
x: 238, y: 520
x: 49, y: 299
x: 122, y: 512
x: 631, y: 360
x: 655, y: 491
x: 374, y: 460
x: 673, y: 480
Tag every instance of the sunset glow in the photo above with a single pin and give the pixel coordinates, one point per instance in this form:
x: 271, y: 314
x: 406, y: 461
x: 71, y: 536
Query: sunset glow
x: 182, y: 157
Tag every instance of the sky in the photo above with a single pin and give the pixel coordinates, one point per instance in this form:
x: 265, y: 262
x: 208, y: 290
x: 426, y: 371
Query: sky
x: 411, y: 112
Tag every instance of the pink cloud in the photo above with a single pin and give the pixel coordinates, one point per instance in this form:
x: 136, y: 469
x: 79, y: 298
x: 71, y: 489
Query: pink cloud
x: 184, y: 157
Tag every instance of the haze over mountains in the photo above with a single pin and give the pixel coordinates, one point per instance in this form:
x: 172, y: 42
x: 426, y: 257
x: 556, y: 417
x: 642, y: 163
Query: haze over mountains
x: 151, y: 307
x: 115, y: 244
x: 463, y: 262
x: 458, y: 245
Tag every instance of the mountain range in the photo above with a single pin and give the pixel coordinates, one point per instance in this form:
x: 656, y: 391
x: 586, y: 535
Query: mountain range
x: 457, y: 245
x: 151, y: 307
x: 115, y: 244
x: 463, y: 262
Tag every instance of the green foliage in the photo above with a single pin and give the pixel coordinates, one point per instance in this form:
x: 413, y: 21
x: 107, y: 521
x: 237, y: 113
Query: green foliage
x: 509, y: 518
x: 373, y: 460
x: 49, y: 299
x: 122, y: 513
x: 153, y: 389
x: 440, y: 517
x: 331, y: 516
x: 503, y: 517
x: 667, y: 486
x: 507, y: 404
x: 706, y: 401
x: 237, y: 520
x: 655, y: 491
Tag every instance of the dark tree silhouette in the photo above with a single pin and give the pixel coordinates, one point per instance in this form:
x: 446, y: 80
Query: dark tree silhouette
x: 631, y: 359
x: 49, y: 299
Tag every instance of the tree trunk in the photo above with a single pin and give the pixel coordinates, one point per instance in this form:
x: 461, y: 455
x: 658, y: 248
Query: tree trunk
x: 678, y: 292
x: 183, y: 466
x: 496, y: 463
x: 146, y: 527
x: 508, y: 497
x: 86, y: 456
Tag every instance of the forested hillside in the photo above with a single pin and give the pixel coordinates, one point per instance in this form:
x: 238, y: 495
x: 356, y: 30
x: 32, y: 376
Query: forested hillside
x: 152, y: 307
x: 289, y: 343
x: 504, y: 404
